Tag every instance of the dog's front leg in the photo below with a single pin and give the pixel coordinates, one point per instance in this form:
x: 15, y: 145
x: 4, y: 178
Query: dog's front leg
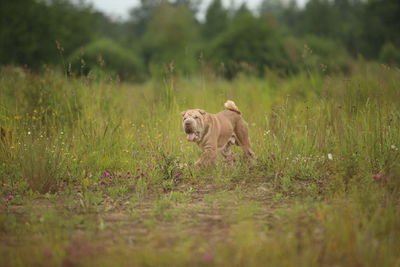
x: 208, y: 157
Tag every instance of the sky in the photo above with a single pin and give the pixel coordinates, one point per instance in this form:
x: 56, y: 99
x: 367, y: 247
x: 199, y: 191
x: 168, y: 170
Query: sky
x: 120, y: 8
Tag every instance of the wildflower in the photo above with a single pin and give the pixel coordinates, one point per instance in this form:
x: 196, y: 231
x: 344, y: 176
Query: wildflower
x: 137, y: 176
x: 208, y: 256
x: 47, y: 252
x: 29, y: 133
x: 330, y: 157
x: 104, y: 182
x: 107, y: 174
x: 393, y: 147
x: 378, y: 176
x: 178, y: 174
x: 9, y: 197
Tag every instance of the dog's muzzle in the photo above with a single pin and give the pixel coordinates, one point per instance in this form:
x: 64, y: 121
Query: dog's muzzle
x: 192, y: 135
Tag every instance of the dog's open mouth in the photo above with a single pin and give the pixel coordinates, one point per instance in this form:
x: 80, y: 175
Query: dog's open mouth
x: 192, y: 137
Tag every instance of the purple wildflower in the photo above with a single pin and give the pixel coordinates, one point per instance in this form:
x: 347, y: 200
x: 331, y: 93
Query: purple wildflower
x: 104, y: 182
x: 208, y: 256
x: 9, y: 197
x: 378, y: 176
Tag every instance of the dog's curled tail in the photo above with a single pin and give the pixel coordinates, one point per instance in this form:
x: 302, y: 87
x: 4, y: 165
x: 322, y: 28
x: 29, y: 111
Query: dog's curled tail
x: 230, y: 105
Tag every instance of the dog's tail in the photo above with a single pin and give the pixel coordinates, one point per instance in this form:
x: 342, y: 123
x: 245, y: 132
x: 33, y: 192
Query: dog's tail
x: 230, y: 105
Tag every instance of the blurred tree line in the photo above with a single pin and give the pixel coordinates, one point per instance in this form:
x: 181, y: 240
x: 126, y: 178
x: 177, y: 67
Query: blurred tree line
x: 163, y: 35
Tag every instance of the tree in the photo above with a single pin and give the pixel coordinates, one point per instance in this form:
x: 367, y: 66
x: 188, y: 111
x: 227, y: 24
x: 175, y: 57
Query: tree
x: 35, y: 32
x: 216, y: 20
x: 381, y: 25
x: 139, y: 17
x: 250, y: 42
x: 171, y: 36
x: 319, y: 18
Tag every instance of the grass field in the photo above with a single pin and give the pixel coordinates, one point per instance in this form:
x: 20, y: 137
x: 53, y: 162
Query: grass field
x: 95, y: 172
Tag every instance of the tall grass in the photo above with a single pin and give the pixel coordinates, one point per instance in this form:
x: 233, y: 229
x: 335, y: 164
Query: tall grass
x: 294, y: 122
x: 331, y: 142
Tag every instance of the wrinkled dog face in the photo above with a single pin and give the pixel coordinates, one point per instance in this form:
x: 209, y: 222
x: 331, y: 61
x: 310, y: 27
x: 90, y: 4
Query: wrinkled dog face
x: 193, y: 123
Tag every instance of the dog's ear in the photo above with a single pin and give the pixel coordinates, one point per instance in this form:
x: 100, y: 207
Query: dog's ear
x: 202, y: 112
x: 183, y: 113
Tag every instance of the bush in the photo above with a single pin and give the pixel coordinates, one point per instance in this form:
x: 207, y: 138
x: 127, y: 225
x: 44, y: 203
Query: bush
x: 253, y: 44
x: 323, y: 54
x: 250, y: 45
x: 105, y: 56
x: 389, y: 54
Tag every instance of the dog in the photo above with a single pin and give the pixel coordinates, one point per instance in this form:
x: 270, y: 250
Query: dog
x: 217, y: 133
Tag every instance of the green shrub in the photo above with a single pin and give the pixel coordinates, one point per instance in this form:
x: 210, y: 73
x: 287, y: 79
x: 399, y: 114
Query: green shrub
x: 104, y: 56
x: 238, y: 54
x: 323, y: 54
x: 389, y: 54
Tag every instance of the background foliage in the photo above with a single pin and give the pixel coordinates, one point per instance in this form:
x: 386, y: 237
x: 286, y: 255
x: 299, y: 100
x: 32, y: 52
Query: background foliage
x: 228, y: 41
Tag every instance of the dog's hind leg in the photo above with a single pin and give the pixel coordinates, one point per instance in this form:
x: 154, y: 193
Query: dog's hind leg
x: 242, y: 136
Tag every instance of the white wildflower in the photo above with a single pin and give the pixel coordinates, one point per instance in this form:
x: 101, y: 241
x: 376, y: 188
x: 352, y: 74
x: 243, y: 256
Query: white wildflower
x: 330, y: 157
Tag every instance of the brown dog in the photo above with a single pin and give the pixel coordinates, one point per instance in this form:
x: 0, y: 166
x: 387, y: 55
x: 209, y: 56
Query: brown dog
x: 217, y: 132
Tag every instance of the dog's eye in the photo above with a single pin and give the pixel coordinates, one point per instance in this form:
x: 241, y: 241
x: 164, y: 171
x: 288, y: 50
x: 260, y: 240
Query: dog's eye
x: 196, y: 117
